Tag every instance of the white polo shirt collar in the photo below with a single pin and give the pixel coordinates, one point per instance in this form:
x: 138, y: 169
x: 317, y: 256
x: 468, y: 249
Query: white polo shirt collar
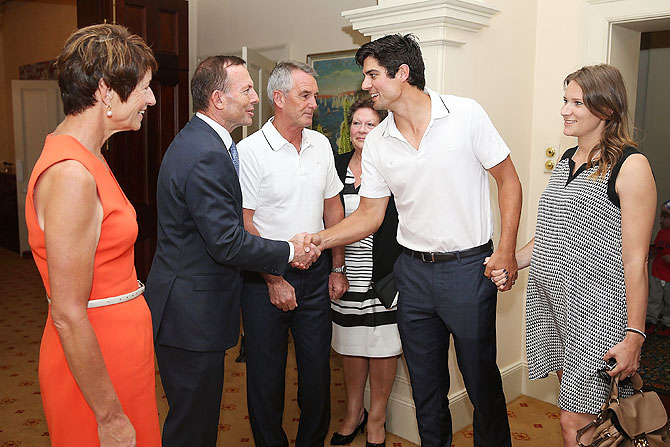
x: 276, y: 141
x: 438, y: 110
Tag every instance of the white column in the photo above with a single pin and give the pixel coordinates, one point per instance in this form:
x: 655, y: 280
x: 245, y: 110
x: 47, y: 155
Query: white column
x: 438, y: 24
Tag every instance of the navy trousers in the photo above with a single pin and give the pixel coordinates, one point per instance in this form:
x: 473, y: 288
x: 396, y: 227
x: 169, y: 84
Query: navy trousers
x: 266, y: 338
x: 193, y: 382
x: 451, y: 298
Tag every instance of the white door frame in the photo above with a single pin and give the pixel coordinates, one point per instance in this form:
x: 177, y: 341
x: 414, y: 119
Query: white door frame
x: 37, y: 111
x: 602, y: 15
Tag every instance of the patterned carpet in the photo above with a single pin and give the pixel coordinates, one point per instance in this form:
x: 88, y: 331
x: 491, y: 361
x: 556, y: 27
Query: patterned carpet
x: 654, y: 367
x: 23, y: 310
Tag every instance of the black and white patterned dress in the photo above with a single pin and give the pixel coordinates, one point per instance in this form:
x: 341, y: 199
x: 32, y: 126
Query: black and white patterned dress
x: 576, y: 297
x: 362, y: 326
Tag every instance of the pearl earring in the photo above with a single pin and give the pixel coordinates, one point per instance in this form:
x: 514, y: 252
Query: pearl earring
x: 109, y: 111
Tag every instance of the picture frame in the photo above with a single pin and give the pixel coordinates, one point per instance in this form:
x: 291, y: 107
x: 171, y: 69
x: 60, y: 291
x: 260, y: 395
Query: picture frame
x: 339, y: 79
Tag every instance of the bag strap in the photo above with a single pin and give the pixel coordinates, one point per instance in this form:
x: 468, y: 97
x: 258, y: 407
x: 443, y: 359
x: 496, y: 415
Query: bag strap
x: 613, y: 397
x: 636, y: 381
x: 583, y: 430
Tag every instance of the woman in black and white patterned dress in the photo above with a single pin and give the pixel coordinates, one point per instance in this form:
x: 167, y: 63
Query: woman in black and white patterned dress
x: 587, y: 286
x: 365, y: 333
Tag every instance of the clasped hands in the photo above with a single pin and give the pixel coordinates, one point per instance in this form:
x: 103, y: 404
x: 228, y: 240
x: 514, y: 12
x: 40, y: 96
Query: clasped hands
x: 306, y: 250
x: 501, y: 269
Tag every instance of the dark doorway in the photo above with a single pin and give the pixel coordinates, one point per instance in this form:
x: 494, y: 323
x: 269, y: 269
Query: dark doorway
x: 136, y: 156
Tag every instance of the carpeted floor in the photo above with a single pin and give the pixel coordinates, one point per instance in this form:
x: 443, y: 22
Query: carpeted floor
x: 23, y: 311
x: 654, y: 366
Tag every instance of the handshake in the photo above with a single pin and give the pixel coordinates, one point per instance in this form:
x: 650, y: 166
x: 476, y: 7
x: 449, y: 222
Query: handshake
x: 306, y: 250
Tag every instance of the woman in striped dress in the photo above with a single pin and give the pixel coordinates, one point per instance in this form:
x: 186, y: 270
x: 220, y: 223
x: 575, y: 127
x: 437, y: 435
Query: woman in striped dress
x: 365, y: 333
x: 587, y: 285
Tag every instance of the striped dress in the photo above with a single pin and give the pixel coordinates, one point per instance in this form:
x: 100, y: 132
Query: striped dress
x: 362, y: 326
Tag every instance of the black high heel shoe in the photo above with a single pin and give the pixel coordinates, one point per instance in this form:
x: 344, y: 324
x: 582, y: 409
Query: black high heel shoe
x: 380, y: 444
x: 340, y: 439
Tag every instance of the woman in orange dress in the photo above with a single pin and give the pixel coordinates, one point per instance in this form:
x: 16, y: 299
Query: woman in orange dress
x: 96, y: 366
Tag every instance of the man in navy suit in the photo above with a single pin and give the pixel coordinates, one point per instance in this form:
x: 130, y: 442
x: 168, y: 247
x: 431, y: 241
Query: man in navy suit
x: 195, y: 283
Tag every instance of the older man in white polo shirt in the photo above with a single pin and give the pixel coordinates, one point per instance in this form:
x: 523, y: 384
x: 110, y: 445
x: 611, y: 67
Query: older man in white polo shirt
x: 433, y: 152
x: 289, y: 181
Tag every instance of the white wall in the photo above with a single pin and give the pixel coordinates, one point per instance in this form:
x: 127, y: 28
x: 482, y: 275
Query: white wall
x: 655, y: 130
x: 279, y: 28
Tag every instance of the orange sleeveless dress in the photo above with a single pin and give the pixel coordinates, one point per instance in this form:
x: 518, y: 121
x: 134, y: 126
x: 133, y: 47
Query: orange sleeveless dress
x: 123, y: 330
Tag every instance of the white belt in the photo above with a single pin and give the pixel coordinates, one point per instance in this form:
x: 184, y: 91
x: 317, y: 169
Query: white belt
x: 114, y: 299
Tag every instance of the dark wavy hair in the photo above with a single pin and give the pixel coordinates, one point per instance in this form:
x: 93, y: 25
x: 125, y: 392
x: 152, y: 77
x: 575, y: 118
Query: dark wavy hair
x: 394, y: 50
x: 604, y: 95
x: 108, y: 52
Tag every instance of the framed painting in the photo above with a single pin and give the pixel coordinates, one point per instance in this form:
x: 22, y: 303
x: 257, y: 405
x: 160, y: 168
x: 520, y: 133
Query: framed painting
x: 339, y: 81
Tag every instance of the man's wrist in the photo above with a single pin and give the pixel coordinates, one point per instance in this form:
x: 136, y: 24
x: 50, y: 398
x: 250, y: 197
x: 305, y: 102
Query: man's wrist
x: 271, y: 279
x: 341, y: 269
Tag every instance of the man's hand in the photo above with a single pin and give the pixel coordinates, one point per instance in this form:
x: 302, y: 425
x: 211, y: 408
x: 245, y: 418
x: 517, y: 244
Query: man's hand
x: 498, y: 277
x: 315, y: 238
x: 305, y: 252
x: 282, y: 294
x: 505, y: 261
x: 337, y: 285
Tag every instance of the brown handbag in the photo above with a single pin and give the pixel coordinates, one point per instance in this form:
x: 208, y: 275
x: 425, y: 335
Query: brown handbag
x: 636, y: 421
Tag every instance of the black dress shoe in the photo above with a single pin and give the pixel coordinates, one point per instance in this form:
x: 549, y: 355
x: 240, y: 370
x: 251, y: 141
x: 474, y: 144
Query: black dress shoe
x: 340, y: 439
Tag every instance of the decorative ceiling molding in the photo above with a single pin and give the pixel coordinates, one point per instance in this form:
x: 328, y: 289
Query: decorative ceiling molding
x: 432, y: 20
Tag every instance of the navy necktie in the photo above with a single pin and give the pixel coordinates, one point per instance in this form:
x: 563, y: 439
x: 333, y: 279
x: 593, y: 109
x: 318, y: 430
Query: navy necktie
x: 236, y: 157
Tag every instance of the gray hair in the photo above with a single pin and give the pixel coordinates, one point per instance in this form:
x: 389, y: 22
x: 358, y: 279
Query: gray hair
x: 280, y: 79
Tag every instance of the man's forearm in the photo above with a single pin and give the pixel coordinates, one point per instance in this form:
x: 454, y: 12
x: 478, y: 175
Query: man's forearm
x: 509, y: 201
x: 358, y: 225
x: 334, y: 214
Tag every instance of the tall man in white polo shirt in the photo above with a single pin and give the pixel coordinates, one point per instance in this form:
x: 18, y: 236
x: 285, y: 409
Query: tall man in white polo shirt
x: 433, y: 152
x: 289, y: 181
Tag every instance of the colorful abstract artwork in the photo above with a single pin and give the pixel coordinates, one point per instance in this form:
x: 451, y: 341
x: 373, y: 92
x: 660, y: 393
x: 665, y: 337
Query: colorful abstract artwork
x: 339, y: 82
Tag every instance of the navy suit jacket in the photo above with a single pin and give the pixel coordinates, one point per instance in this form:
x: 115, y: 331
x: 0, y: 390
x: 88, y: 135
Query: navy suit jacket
x: 195, y: 283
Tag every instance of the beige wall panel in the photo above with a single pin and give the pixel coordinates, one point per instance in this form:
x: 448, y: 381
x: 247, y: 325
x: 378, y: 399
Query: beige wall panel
x: 31, y: 32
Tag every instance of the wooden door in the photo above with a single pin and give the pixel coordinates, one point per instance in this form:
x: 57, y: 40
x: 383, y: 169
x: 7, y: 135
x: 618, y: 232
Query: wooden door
x: 135, y: 157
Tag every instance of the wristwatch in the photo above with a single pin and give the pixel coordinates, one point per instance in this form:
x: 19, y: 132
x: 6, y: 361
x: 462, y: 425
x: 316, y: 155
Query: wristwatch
x: 342, y: 269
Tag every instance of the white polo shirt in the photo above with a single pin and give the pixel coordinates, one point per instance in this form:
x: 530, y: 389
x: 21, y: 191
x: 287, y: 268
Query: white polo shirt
x: 286, y: 189
x: 442, y: 189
